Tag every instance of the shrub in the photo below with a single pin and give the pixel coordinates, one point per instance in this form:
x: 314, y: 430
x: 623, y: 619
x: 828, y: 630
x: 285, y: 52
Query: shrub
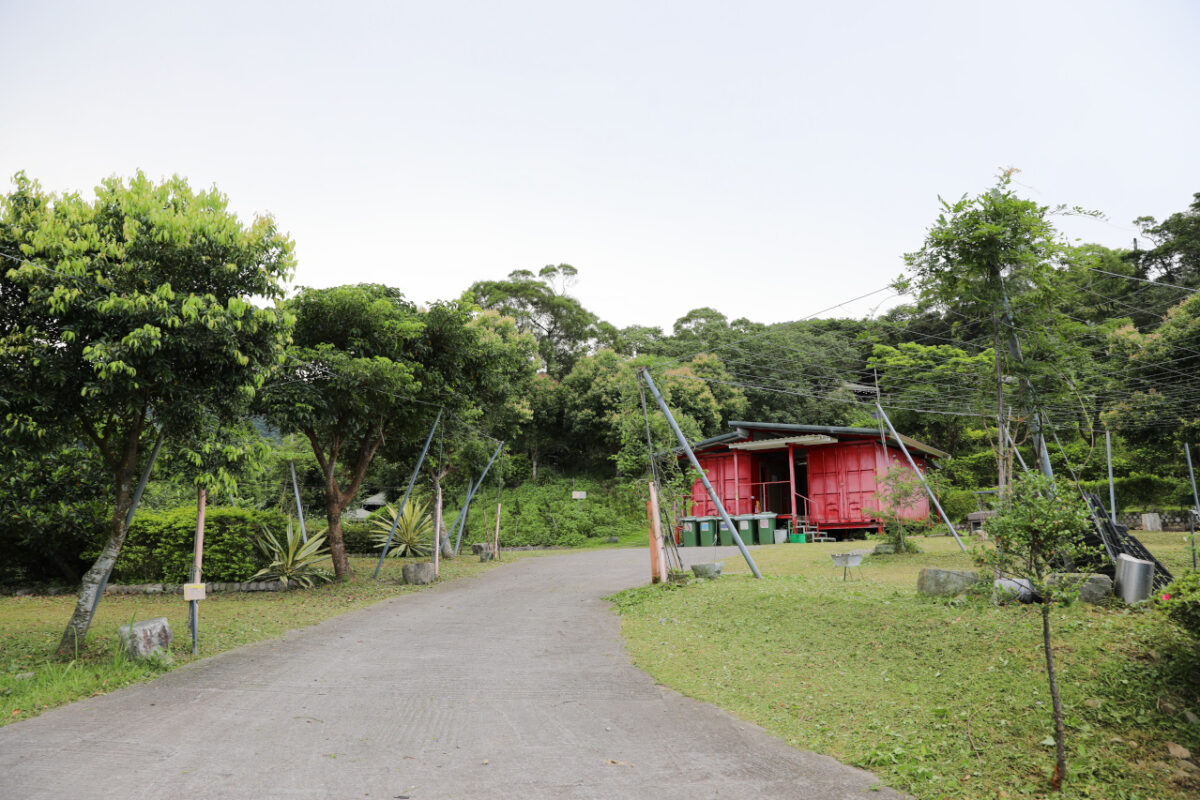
x: 293, y: 560
x: 957, y: 503
x: 1183, y: 605
x: 160, y: 544
x: 358, y: 536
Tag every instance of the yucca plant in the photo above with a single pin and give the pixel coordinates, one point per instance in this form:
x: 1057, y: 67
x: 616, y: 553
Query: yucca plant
x: 414, y: 531
x: 294, y: 560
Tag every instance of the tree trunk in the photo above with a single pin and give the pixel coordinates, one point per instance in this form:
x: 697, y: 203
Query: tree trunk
x: 337, y: 544
x: 1060, y: 735
x: 90, y: 587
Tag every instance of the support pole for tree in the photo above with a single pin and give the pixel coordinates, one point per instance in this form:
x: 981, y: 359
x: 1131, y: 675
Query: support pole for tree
x: 1112, y: 489
x: 137, y: 498
x: 407, y: 492
x: 437, y: 530
x: 658, y: 556
x: 197, y: 564
x: 1196, y: 509
x: 928, y: 490
x: 299, y: 509
x: 687, y: 448
x: 1016, y: 450
x: 496, y: 545
x: 461, y: 522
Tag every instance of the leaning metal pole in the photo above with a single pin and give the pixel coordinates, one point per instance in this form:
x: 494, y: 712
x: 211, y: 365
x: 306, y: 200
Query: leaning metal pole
x: 407, y: 492
x: 1196, y: 511
x: 472, y: 488
x: 928, y: 490
x: 299, y: 509
x: 1112, y: 489
x: 687, y: 448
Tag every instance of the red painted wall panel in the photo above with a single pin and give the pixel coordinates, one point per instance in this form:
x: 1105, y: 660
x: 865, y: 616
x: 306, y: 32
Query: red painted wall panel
x: 730, y: 476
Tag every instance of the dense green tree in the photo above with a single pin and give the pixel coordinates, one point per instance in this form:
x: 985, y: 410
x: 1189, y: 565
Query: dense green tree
x: 1175, y: 257
x: 131, y: 312
x: 541, y: 306
x: 367, y: 367
x: 998, y: 257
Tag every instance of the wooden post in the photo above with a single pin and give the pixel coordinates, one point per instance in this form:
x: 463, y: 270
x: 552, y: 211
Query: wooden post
x: 496, y: 547
x: 197, y: 565
x: 658, y: 555
x: 437, y: 530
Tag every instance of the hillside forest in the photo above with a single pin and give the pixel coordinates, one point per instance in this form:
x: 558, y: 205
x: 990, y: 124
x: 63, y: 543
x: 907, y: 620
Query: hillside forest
x: 151, y: 321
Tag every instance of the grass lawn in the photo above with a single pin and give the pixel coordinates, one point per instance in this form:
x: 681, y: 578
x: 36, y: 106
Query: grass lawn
x: 943, y: 699
x: 32, y: 679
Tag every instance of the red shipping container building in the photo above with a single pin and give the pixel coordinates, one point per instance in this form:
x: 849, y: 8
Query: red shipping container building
x: 814, y: 476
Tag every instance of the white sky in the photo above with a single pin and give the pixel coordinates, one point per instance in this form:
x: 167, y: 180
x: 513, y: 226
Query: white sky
x: 766, y: 159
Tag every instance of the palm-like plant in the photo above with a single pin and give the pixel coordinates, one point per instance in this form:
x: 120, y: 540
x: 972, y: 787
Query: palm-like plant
x: 294, y: 559
x: 414, y: 530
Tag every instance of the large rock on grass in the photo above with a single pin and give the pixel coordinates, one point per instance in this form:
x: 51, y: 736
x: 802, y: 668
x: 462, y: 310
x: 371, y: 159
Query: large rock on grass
x: 709, y: 571
x: 143, y: 639
x: 945, y: 582
x: 418, y: 574
x: 1093, y: 588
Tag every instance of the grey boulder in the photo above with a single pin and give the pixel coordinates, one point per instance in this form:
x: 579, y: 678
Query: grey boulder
x: 945, y: 582
x: 1093, y: 588
x: 143, y: 639
x: 709, y: 571
x: 418, y: 574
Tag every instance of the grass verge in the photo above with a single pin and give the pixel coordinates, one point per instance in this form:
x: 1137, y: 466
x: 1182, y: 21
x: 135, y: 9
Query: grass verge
x: 32, y: 679
x: 940, y: 699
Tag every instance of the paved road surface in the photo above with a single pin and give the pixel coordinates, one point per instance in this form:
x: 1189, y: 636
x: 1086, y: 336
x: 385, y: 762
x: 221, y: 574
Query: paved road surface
x: 514, y: 684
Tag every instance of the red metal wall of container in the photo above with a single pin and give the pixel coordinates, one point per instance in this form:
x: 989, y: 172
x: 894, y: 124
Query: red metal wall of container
x: 920, y: 507
x: 730, y: 476
x: 841, y: 484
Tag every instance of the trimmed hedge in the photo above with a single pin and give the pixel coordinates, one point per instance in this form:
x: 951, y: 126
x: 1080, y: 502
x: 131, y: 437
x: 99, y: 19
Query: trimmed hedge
x: 160, y: 544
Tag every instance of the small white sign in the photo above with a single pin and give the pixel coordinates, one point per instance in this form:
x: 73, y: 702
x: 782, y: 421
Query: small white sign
x: 193, y: 591
x: 579, y: 495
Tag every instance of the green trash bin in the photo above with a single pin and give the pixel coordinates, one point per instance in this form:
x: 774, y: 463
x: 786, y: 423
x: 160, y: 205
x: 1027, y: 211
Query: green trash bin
x: 747, y: 528
x: 691, y: 532
x: 765, y: 524
x: 705, y: 530
x: 724, y: 534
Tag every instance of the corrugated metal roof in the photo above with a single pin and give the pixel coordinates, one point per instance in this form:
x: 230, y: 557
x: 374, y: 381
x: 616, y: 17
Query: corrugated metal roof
x: 742, y: 429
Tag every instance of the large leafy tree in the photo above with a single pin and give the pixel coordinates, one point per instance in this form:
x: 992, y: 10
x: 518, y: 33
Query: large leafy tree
x: 997, y: 257
x: 131, y: 312
x: 541, y: 306
x: 367, y: 368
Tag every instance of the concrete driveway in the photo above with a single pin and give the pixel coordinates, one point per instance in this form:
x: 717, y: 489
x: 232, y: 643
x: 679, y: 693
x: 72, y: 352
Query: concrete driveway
x: 513, y: 684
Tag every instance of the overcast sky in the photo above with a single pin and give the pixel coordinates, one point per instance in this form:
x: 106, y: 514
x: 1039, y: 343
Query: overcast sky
x: 766, y: 159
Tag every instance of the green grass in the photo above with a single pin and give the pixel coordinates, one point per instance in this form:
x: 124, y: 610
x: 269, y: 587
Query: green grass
x: 32, y: 679
x: 940, y: 699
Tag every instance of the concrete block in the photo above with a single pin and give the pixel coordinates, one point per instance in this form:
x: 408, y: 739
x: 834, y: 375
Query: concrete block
x: 418, y: 574
x: 1094, y: 589
x: 1152, y: 522
x: 141, y: 640
x: 884, y: 549
x: 945, y: 582
x: 709, y: 571
x: 1007, y: 590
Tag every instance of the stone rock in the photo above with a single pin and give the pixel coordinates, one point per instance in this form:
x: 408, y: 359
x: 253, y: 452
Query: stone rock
x: 678, y: 577
x: 1178, y: 751
x: 479, y: 547
x: 1006, y: 590
x: 709, y: 571
x: 1152, y: 522
x: 884, y: 549
x: 1094, y: 589
x: 484, y: 551
x: 418, y: 574
x: 945, y: 582
x: 143, y: 639
x: 611, y: 540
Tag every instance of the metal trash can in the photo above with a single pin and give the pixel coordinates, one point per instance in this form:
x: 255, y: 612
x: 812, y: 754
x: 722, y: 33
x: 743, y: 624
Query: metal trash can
x: 724, y: 534
x: 691, y: 532
x: 766, y: 527
x: 1135, y: 578
x: 706, y: 531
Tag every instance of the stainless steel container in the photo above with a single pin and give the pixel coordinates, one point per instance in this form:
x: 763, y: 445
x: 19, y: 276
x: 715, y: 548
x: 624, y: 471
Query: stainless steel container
x: 1135, y: 578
